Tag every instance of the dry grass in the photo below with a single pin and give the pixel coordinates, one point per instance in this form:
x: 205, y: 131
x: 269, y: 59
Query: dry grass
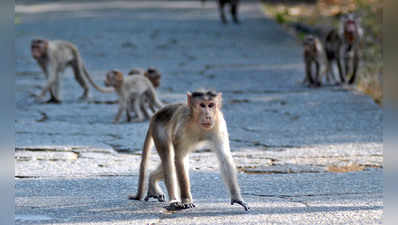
x: 345, y: 169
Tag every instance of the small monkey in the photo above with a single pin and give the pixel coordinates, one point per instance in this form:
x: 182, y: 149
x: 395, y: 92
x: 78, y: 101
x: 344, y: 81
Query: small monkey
x: 54, y: 57
x: 313, y: 54
x: 176, y: 130
x: 333, y: 43
x: 151, y: 73
x: 351, y: 33
x: 234, y: 6
x: 132, y: 90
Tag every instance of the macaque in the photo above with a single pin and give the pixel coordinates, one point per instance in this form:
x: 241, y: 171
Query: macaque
x: 351, y: 33
x: 234, y: 6
x: 151, y: 73
x: 176, y: 130
x: 313, y: 54
x: 333, y: 43
x: 54, y: 57
x: 132, y: 90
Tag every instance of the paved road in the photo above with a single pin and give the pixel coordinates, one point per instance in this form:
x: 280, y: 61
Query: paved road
x: 74, y: 167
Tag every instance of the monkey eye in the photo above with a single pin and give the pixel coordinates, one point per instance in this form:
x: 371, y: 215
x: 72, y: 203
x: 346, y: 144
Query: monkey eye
x: 211, y: 105
x: 202, y: 105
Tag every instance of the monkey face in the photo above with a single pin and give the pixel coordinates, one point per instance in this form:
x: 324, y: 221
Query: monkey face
x: 207, y: 113
x: 154, y: 76
x: 114, y: 78
x: 39, y: 49
x: 205, y: 107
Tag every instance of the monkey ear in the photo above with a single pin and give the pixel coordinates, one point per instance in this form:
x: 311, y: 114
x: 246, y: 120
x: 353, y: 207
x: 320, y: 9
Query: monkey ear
x: 189, y: 98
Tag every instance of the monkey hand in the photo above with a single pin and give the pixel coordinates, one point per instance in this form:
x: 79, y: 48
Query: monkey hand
x: 134, y: 197
x: 242, y: 203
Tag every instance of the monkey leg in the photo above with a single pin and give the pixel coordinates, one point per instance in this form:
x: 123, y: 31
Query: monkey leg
x: 340, y: 68
x: 317, y: 75
x: 137, y: 109
x: 221, y: 5
x: 154, y: 190
x: 308, y: 73
x: 82, y: 82
x: 166, y: 153
x: 347, y: 68
x: 121, y: 109
x: 234, y: 11
x: 182, y: 168
x: 145, y: 108
x: 355, y: 69
x: 330, y: 76
x: 54, y: 94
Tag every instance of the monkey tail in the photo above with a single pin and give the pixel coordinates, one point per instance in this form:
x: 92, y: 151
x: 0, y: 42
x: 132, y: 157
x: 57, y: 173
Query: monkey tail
x: 146, y: 153
x: 84, y: 72
x: 100, y: 89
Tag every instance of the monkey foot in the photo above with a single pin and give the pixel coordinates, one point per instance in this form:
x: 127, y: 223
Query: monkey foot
x: 242, y: 203
x: 133, y: 197
x: 159, y: 197
x: 53, y: 101
x: 179, y: 206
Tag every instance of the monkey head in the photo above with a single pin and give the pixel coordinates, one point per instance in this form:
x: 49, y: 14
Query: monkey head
x: 205, y: 106
x: 154, y: 76
x: 39, y: 48
x: 350, y: 25
x: 135, y: 71
x: 114, y: 78
x: 310, y: 44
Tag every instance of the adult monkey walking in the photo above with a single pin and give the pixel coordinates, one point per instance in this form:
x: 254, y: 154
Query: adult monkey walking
x: 54, y: 57
x: 178, y: 129
x: 234, y: 6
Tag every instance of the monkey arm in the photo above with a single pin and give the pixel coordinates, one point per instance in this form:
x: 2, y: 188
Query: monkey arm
x: 121, y: 109
x: 228, y: 169
x: 52, y: 78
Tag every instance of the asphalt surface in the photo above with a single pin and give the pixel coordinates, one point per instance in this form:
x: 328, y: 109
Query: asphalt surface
x: 305, y: 156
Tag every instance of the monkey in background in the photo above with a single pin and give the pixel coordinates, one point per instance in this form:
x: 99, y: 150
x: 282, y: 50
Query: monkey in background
x: 151, y: 73
x: 351, y: 32
x: 176, y: 130
x: 333, y: 43
x: 132, y: 90
x: 314, y: 55
x: 53, y: 58
x: 234, y: 7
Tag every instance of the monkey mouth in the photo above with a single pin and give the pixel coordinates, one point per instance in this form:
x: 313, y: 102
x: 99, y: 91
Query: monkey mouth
x: 206, y: 125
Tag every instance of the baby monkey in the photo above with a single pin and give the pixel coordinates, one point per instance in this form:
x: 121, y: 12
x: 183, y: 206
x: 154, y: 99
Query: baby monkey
x: 132, y: 90
x: 176, y: 130
x: 314, y: 55
x: 151, y: 73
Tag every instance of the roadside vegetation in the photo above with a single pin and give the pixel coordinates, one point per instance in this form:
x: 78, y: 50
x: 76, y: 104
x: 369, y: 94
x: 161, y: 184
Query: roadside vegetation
x: 318, y: 16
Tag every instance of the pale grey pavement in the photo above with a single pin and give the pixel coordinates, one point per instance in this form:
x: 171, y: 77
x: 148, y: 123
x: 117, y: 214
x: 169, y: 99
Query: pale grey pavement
x: 73, y: 166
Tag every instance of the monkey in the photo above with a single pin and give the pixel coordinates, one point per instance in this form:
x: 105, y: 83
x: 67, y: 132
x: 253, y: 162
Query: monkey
x: 234, y: 6
x: 333, y: 43
x: 176, y: 130
x: 137, y: 88
x: 351, y: 32
x: 151, y: 73
x: 53, y: 58
x: 314, y: 54
x: 154, y: 76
